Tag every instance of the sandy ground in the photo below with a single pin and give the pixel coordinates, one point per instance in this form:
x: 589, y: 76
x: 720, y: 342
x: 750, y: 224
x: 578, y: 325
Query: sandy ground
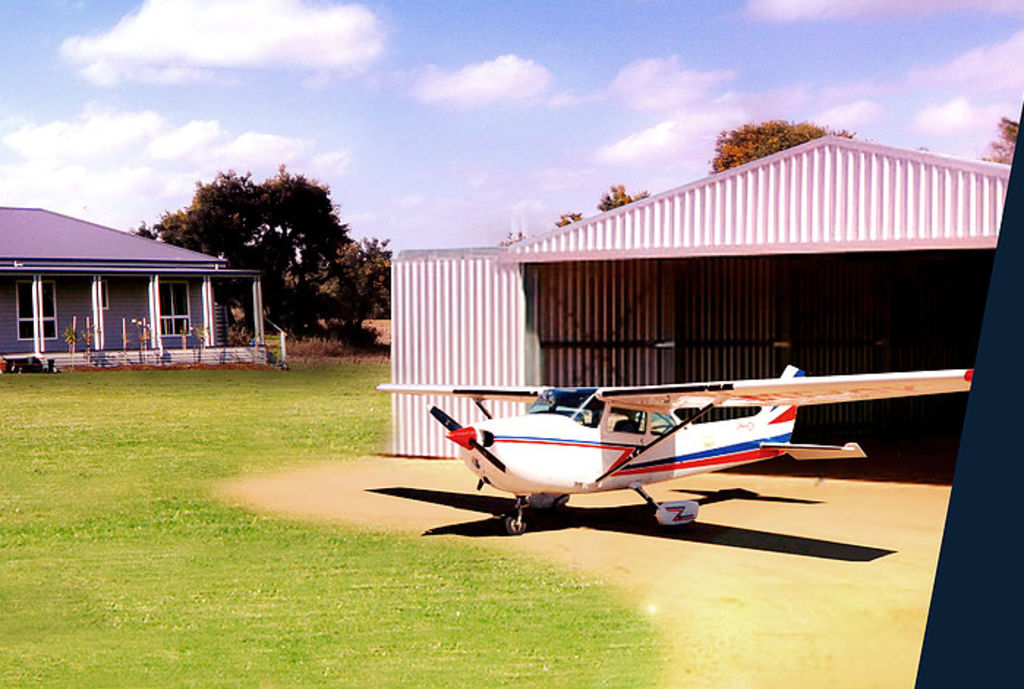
x: 782, y: 582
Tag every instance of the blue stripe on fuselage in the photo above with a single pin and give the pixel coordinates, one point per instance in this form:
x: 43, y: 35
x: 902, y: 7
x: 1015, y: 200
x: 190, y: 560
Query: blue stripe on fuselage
x: 713, y: 452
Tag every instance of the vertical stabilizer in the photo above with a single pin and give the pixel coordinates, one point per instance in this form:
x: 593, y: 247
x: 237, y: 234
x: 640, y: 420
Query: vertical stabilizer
x: 780, y: 415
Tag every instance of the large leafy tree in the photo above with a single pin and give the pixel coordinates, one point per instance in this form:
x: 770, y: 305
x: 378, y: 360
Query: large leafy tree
x: 316, y: 279
x: 1001, y: 150
x: 759, y: 139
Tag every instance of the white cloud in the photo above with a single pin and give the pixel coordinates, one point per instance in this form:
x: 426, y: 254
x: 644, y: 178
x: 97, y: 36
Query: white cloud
x: 954, y: 117
x: 811, y: 10
x: 120, y: 196
x: 183, y: 40
x: 329, y: 163
x: 190, y: 142
x: 256, y: 150
x: 100, y: 135
x: 662, y: 83
x: 121, y: 167
x: 851, y: 115
x: 506, y: 78
x: 94, y: 134
x: 993, y: 67
x: 676, y: 140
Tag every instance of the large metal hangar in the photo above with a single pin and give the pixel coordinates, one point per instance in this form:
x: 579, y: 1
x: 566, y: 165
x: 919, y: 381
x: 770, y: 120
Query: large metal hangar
x: 839, y: 256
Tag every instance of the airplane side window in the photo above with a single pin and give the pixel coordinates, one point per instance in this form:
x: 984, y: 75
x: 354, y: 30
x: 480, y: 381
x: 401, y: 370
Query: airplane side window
x: 662, y: 423
x: 626, y: 421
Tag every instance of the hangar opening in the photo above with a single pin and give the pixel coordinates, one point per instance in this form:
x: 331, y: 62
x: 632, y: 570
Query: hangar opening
x: 645, y: 322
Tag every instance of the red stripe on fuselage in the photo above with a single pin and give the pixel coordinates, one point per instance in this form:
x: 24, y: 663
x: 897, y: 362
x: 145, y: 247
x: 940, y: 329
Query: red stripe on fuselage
x: 788, y: 415
x: 721, y: 460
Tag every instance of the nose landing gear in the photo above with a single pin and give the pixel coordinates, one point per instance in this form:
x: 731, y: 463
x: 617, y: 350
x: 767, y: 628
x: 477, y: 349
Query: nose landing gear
x: 514, y: 521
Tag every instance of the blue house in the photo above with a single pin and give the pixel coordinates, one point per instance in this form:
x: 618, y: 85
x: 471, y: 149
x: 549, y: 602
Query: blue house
x: 121, y: 298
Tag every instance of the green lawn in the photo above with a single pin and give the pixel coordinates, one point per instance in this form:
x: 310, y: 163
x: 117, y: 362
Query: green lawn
x: 118, y: 569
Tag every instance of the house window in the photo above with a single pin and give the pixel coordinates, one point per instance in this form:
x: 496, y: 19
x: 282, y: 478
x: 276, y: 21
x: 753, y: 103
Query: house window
x: 173, y: 308
x: 25, y: 328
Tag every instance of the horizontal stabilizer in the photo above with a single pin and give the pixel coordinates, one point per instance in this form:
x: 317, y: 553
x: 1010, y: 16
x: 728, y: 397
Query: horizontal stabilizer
x: 804, y: 452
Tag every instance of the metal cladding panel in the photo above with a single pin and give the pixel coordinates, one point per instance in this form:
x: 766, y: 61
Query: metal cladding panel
x: 828, y: 195
x: 457, y: 319
x: 601, y: 323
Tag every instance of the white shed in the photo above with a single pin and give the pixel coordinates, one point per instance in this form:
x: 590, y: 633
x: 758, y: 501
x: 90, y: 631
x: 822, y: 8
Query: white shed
x: 843, y: 255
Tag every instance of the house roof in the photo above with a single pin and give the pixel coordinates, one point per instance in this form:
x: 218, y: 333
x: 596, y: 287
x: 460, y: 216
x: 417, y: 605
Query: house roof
x: 38, y: 238
x: 828, y: 195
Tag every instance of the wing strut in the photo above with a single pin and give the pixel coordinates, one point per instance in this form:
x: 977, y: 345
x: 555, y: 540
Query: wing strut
x: 665, y: 436
x: 482, y: 408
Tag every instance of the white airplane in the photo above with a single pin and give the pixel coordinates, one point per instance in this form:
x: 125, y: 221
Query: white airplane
x: 586, y: 440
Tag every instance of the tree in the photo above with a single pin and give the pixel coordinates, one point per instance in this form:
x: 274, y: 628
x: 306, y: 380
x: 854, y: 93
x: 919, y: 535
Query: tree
x: 513, y: 238
x: 616, y: 196
x: 568, y: 219
x: 361, y: 289
x: 1001, y: 150
x: 316, y: 279
x: 756, y: 140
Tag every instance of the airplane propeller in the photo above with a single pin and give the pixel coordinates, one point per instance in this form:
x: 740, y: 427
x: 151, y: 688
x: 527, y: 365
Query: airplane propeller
x: 448, y: 422
x: 465, y: 436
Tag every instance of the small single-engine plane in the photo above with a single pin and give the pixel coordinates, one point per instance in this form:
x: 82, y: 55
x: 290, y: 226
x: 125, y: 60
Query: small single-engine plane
x: 586, y: 440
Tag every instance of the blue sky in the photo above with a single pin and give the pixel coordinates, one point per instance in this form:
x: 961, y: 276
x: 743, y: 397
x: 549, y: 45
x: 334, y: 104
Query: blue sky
x: 440, y: 124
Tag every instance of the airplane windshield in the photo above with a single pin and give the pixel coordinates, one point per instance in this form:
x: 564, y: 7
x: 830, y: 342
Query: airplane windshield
x: 564, y: 401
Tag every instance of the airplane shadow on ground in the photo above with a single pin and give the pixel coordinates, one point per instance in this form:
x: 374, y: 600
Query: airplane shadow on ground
x: 636, y: 519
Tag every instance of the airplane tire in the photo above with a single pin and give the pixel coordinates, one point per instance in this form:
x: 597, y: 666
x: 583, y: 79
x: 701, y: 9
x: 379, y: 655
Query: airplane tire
x: 515, y: 524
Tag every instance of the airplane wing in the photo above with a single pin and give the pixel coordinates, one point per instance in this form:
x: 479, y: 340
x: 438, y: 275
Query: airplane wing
x: 791, y: 391
x: 505, y: 393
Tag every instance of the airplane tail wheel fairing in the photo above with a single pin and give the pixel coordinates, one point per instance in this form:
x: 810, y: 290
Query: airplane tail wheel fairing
x: 515, y: 524
x: 677, y: 512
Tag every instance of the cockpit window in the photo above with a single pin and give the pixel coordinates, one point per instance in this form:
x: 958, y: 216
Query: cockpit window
x: 590, y: 414
x: 569, y: 402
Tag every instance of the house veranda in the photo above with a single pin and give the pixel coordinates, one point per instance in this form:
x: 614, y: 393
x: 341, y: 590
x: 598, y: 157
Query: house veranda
x: 75, y: 293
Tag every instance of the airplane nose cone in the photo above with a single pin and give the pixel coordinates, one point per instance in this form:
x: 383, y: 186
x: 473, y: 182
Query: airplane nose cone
x: 463, y: 437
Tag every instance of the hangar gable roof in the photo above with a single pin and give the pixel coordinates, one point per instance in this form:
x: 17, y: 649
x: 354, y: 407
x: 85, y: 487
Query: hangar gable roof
x: 827, y: 195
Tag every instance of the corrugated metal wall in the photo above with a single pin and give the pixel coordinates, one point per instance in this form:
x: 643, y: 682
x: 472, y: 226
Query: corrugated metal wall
x: 457, y: 319
x: 827, y: 195
x: 604, y: 322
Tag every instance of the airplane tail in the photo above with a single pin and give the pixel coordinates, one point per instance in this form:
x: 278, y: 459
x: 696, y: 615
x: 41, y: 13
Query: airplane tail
x: 781, y: 414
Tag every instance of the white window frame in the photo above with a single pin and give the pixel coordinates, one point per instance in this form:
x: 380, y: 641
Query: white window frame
x: 167, y: 317
x: 30, y: 318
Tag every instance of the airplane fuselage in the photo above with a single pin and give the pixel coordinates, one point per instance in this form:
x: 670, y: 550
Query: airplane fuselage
x: 551, y: 453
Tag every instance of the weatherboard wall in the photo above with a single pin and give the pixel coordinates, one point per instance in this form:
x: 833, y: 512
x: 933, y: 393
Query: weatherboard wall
x: 458, y: 318
x: 828, y: 195
x: 126, y: 297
